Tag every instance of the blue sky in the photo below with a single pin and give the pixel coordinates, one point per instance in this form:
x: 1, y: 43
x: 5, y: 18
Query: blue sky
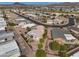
x: 6, y: 2
x: 29, y: 3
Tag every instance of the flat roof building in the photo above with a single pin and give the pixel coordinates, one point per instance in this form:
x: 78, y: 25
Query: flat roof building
x: 75, y: 55
x: 62, y: 35
x: 6, y: 35
x: 69, y: 37
x: 9, y: 49
x: 2, y: 24
x: 75, y: 31
x: 36, y: 33
x: 72, y: 21
x: 8, y: 46
x: 25, y: 25
x: 19, y: 20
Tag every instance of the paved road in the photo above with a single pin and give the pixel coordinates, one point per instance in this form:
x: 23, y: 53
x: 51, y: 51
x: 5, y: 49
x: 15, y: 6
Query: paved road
x: 25, y: 49
x: 47, y: 49
x: 73, y: 51
x: 40, y: 23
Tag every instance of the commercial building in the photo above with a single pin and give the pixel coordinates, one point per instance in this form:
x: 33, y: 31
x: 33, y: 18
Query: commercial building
x: 36, y: 33
x: 8, y: 45
x: 2, y: 24
x: 62, y: 35
x: 24, y: 25
x: 72, y: 21
x: 49, y: 21
x: 75, y: 31
x: 75, y: 55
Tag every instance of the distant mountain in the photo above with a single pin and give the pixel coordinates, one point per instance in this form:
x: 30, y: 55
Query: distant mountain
x: 13, y: 4
x: 28, y: 3
x: 41, y: 3
x: 17, y: 3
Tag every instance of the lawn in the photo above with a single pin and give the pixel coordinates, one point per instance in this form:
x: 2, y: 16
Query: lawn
x: 40, y: 45
x: 40, y: 53
x: 54, y: 45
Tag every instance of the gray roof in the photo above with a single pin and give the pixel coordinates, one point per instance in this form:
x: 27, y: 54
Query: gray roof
x: 4, y: 34
x: 18, y: 21
x: 2, y: 22
x: 74, y: 28
x: 9, y: 49
x: 59, y: 33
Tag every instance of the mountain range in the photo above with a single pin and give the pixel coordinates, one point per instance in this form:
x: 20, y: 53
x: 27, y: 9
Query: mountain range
x: 39, y: 3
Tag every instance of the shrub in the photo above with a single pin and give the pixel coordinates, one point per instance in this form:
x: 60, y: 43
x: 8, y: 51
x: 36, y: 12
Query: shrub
x: 40, y: 46
x: 11, y: 24
x: 62, y: 51
x: 41, y: 40
x: 63, y: 47
x: 54, y: 45
x: 40, y: 53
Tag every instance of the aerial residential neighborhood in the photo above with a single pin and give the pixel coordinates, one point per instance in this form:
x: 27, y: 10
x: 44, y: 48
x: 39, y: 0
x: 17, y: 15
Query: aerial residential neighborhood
x: 39, y: 30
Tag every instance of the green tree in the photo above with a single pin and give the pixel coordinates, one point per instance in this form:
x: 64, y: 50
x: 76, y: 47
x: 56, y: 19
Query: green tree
x: 40, y: 45
x: 61, y: 9
x: 54, y: 45
x: 28, y: 29
x: 54, y: 14
x: 62, y: 51
x: 41, y: 40
x: 45, y: 33
x: 11, y: 24
x: 40, y: 53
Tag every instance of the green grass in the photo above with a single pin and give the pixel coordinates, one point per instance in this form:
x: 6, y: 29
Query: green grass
x: 41, y: 40
x: 40, y: 53
x: 54, y: 45
x: 40, y: 45
x: 62, y: 49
